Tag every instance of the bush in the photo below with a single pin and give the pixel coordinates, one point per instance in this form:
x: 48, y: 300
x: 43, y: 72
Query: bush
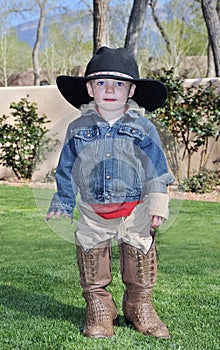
x: 192, y: 115
x: 24, y: 142
x: 203, y: 182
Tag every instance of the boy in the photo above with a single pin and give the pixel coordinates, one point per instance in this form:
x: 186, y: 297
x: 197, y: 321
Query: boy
x: 113, y: 155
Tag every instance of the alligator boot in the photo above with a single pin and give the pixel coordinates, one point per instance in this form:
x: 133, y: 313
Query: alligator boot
x: 139, y: 275
x: 95, y: 276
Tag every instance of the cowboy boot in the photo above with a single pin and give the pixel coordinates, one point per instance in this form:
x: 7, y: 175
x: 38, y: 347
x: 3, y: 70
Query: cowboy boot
x: 139, y: 275
x: 95, y: 276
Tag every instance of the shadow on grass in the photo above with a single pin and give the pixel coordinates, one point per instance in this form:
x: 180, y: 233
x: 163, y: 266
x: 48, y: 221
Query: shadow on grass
x: 38, y: 305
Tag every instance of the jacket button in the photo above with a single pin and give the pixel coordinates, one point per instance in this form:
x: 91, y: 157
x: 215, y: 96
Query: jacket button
x: 108, y: 134
x: 108, y: 177
x: 108, y: 154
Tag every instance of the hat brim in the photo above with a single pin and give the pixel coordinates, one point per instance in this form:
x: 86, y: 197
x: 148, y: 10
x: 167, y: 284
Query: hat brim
x: 150, y: 94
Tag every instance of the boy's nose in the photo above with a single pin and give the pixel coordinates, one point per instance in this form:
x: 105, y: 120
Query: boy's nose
x: 109, y: 88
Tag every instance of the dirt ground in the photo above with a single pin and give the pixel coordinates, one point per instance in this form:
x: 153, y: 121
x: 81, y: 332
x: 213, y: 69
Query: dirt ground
x: 206, y: 197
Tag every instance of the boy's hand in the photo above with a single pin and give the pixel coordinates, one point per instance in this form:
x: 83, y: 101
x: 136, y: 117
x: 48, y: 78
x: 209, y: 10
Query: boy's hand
x: 156, y: 221
x: 57, y: 215
x: 51, y: 214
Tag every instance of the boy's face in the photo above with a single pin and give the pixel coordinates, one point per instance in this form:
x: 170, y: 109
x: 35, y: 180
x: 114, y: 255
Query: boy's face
x: 110, y: 94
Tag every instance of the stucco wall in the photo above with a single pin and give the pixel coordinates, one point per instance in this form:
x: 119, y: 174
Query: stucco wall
x: 49, y: 102
x: 61, y: 113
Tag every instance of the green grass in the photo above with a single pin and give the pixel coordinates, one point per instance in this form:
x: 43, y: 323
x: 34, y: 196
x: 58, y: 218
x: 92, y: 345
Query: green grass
x: 41, y: 306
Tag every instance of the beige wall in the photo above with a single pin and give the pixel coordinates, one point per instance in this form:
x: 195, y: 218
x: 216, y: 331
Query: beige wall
x: 49, y: 102
x: 61, y: 113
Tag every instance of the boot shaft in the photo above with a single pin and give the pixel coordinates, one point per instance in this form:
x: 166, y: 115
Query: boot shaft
x: 138, y: 270
x: 95, y: 275
x: 95, y: 267
x: 139, y: 275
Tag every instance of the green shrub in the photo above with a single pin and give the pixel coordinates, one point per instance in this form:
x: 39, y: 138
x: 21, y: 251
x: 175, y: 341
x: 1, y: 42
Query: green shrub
x: 203, y: 182
x: 23, y: 143
x: 192, y: 115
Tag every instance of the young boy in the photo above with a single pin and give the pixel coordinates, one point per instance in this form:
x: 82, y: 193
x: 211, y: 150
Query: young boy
x: 113, y: 156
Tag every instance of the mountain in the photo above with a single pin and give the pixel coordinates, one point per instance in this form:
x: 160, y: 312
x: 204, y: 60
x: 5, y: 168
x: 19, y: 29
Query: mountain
x: 26, y: 32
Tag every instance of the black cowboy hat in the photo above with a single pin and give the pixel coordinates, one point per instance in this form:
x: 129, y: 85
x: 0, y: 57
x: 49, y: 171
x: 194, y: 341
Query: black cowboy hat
x: 117, y: 64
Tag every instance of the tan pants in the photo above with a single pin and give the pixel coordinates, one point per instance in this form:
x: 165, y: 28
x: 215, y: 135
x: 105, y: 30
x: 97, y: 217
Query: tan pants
x: 133, y: 229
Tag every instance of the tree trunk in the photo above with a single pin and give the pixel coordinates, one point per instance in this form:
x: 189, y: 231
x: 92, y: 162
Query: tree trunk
x: 3, y: 47
x: 210, y: 65
x: 35, y: 53
x: 100, y: 24
x: 212, y: 20
x: 159, y: 26
x: 218, y: 8
x: 135, y: 26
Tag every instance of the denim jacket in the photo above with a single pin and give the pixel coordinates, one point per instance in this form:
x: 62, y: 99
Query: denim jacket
x: 109, y: 164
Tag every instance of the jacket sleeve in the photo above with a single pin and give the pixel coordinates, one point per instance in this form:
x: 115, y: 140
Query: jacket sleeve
x: 158, y: 204
x: 64, y: 200
x: 154, y: 162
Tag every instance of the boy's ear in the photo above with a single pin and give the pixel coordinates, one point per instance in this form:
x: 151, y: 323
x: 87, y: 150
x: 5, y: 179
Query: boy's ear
x: 89, y: 89
x: 132, y: 90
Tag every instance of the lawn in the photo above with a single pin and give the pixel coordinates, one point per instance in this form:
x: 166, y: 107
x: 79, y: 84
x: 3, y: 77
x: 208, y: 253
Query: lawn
x: 41, y: 307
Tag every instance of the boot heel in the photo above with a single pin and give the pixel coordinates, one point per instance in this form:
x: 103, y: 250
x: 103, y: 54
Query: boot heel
x: 116, y: 322
x: 128, y: 322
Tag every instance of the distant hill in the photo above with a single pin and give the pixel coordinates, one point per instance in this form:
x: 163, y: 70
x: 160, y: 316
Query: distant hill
x: 26, y: 32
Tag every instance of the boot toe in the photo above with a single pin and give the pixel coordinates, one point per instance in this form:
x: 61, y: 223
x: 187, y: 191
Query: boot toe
x: 161, y: 332
x: 98, y: 332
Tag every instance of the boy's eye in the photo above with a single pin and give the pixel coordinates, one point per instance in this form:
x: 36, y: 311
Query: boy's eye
x: 100, y: 83
x: 115, y: 84
x: 120, y: 83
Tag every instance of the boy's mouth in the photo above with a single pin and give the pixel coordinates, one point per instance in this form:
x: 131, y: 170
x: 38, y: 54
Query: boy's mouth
x: 109, y: 99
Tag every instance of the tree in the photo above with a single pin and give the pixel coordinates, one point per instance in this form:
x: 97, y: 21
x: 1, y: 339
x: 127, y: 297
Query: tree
x: 15, y: 56
x: 135, y: 26
x: 35, y: 53
x: 178, y: 37
x: 211, y: 17
x: 153, y: 4
x: 28, y: 7
x: 192, y: 116
x: 70, y: 31
x: 100, y: 24
x: 20, y: 9
x: 3, y: 58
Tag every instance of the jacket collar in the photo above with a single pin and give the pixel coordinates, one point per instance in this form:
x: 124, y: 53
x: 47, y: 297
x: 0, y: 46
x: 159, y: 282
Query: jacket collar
x: 132, y: 106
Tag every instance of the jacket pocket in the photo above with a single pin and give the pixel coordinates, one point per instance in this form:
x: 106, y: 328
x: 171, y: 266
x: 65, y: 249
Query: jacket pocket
x: 131, y: 132
x: 86, y: 134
